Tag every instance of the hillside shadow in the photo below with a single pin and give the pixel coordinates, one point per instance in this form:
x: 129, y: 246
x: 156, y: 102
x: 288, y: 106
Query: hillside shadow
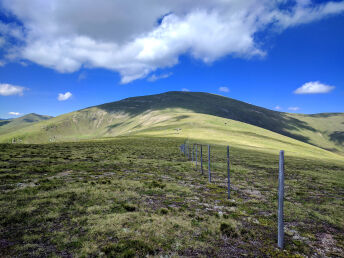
x: 113, y: 126
x: 4, y: 122
x: 337, y: 137
x: 324, y: 115
x: 29, y: 120
x: 216, y: 105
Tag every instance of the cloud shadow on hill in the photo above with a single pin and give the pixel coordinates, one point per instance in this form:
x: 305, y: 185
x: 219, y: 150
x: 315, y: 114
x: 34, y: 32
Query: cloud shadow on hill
x: 216, y: 105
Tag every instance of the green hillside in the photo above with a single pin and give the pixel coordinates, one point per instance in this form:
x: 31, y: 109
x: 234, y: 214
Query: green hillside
x: 326, y: 130
x: 199, y: 116
x: 4, y: 121
x: 11, y: 125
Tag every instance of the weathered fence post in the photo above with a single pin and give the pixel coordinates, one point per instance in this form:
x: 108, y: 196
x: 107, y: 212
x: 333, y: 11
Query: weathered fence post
x: 201, y: 159
x: 196, y: 155
x: 280, y: 201
x: 209, y: 172
x: 228, y: 175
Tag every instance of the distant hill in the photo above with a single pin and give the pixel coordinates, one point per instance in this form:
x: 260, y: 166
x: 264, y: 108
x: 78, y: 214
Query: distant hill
x: 4, y: 121
x: 14, y: 124
x: 198, y: 115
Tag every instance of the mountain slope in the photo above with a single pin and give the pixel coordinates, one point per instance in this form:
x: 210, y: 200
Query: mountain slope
x: 163, y: 113
x: 4, y: 121
x: 327, y: 130
x: 322, y: 130
x: 11, y: 125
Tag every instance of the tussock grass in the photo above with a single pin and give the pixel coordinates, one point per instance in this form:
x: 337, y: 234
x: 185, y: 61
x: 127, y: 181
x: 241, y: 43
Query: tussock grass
x: 138, y: 196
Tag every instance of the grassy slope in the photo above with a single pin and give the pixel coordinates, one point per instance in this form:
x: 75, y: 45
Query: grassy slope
x: 329, y: 133
x: 8, y: 126
x: 163, y: 123
x: 161, y: 114
x: 139, y: 195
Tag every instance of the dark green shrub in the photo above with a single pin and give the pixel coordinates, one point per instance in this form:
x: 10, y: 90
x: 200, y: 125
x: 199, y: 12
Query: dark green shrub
x: 228, y: 230
x: 129, y: 207
x: 163, y: 211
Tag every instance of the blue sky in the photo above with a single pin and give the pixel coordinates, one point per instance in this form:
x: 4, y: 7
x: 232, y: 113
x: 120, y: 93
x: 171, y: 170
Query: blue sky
x: 262, y: 63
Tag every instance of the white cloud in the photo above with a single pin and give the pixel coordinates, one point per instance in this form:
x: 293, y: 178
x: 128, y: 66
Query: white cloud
x: 278, y: 107
x: 294, y: 108
x: 155, y: 77
x: 65, y: 96
x: 223, y: 89
x: 305, y: 12
x: 314, y: 88
x: 11, y: 30
x: 8, y: 89
x: 124, y: 36
x: 14, y: 113
x: 185, y: 89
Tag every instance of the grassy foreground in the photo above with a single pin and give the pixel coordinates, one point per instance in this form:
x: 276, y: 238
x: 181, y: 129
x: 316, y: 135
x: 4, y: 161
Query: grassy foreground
x: 140, y: 196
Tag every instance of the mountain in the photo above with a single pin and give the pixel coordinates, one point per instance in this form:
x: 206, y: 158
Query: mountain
x: 195, y: 115
x: 4, y: 121
x: 11, y: 125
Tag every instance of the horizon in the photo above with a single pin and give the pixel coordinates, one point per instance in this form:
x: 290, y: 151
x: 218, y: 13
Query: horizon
x: 286, y: 57
x: 33, y: 113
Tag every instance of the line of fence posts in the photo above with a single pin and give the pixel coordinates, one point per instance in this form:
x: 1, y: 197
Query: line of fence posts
x: 185, y: 148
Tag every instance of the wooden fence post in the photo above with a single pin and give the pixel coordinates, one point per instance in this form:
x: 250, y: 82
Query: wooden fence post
x: 280, y: 201
x: 228, y: 175
x: 209, y: 172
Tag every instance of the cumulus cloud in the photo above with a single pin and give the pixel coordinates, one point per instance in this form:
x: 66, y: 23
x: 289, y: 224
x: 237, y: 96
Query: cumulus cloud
x: 278, y: 107
x: 185, y: 89
x: 294, y: 108
x: 314, y: 88
x: 65, y: 96
x: 11, y: 31
x: 8, y: 89
x: 14, y: 113
x: 135, y: 38
x: 223, y: 89
x: 155, y: 77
